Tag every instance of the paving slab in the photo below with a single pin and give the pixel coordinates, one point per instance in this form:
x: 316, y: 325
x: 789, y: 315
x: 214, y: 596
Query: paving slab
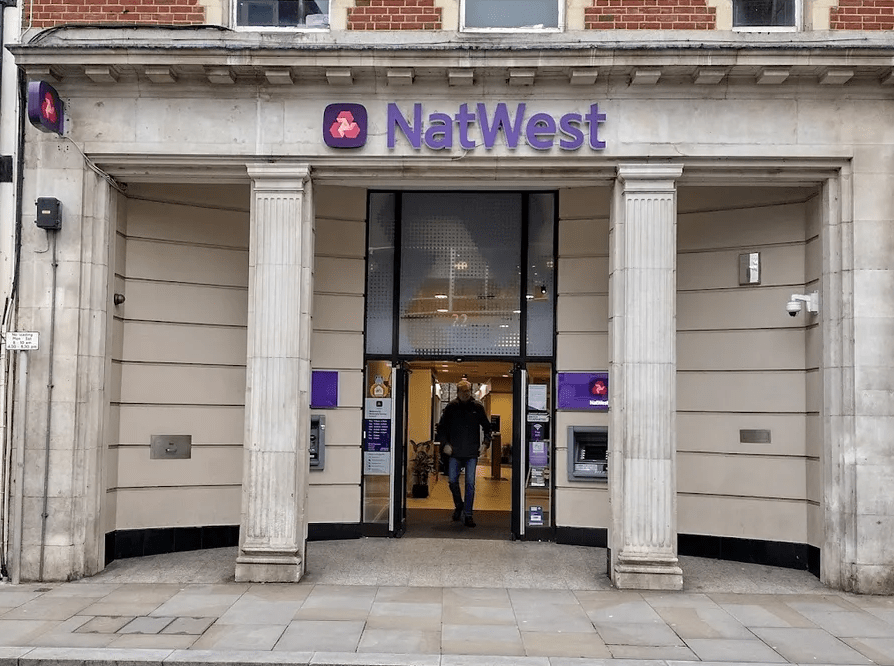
x: 564, y: 644
x: 879, y: 650
x: 239, y: 637
x: 734, y: 650
x: 810, y: 646
x: 633, y: 633
x: 481, y: 640
x: 400, y: 641
x: 320, y: 636
x: 146, y: 625
x: 703, y: 622
x: 646, y: 652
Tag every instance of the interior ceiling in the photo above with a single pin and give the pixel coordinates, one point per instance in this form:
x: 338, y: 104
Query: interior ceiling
x: 477, y: 372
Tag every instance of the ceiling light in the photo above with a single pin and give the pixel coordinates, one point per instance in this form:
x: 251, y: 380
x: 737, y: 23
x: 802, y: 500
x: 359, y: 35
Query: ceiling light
x: 443, y: 310
x: 461, y: 265
x: 440, y: 295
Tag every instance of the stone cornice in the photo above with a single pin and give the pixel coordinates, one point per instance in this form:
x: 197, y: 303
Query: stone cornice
x: 219, y: 56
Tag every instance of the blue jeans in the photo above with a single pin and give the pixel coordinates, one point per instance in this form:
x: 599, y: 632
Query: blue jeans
x: 453, y: 468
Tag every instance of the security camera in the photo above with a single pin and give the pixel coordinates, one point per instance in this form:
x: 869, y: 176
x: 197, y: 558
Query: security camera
x: 793, y: 307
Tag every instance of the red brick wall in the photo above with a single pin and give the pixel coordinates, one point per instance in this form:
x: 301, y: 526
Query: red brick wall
x: 862, y: 15
x: 48, y: 13
x: 652, y: 15
x: 394, y: 15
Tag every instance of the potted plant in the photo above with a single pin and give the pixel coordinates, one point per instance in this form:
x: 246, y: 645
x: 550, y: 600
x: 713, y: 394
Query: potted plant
x: 422, y: 465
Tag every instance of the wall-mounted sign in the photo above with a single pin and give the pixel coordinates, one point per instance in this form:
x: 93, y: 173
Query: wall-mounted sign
x: 21, y: 340
x: 324, y: 389
x: 583, y: 390
x: 480, y: 127
x: 45, y: 107
x: 345, y: 125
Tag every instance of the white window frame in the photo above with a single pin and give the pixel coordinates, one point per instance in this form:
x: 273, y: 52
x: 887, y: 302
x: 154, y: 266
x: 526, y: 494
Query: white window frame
x: 799, y: 13
x: 464, y: 28
x: 234, y: 18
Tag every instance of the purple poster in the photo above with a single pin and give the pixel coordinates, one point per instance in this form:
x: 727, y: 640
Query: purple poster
x: 324, y: 389
x: 583, y: 390
x: 378, y: 434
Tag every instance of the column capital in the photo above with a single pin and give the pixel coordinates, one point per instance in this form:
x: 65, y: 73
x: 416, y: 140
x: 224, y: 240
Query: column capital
x: 281, y: 176
x: 649, y: 176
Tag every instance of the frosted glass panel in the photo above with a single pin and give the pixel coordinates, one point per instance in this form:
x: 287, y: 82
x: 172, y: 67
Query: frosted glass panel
x: 512, y: 13
x: 380, y: 274
x: 541, y: 274
x: 460, y: 277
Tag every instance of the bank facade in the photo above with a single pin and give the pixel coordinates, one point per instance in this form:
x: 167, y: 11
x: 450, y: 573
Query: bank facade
x: 266, y: 234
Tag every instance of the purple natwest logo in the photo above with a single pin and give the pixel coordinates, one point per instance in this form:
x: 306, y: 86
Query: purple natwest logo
x: 344, y: 125
x: 541, y: 131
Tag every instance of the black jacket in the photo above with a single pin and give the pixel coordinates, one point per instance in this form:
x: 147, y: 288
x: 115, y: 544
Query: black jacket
x: 459, y: 426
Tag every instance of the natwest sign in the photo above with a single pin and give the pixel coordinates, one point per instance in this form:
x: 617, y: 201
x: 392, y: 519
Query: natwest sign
x: 471, y: 127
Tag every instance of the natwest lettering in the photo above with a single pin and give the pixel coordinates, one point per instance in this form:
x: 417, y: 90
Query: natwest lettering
x: 470, y: 128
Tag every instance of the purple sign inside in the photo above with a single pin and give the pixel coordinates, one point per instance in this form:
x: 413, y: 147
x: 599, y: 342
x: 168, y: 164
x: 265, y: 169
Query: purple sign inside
x: 45, y: 108
x: 378, y: 435
x: 539, y: 130
x: 324, y: 389
x: 583, y: 390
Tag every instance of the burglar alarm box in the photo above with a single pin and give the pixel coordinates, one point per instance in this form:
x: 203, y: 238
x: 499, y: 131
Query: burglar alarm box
x: 317, y: 441
x: 49, y: 213
x: 587, y: 452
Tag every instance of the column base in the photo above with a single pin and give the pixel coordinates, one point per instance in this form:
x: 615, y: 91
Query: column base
x: 269, y: 568
x: 647, y: 576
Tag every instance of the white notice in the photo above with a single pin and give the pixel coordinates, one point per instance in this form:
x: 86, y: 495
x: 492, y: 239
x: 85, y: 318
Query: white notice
x: 21, y: 340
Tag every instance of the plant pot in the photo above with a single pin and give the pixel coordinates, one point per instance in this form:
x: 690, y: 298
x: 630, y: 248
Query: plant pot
x: 420, y: 490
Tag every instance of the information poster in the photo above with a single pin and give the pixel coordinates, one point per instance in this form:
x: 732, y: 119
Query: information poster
x: 535, y: 515
x: 378, y: 408
x: 537, y: 397
x: 377, y: 446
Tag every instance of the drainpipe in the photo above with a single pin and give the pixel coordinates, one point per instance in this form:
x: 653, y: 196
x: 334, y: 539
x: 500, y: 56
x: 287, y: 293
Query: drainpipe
x: 8, y: 307
x: 46, y: 456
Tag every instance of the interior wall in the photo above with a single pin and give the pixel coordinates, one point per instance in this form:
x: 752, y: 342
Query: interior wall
x: 179, y: 354
x: 742, y: 363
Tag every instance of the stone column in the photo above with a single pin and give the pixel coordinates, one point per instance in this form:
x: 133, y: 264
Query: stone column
x: 273, y: 530
x: 642, y: 332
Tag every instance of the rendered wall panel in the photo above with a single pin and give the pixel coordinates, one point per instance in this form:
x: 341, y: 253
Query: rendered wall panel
x: 140, y: 508
x: 763, y: 349
x: 338, y: 313
x: 184, y: 343
x: 741, y: 475
x: 195, y: 264
x: 582, y: 313
x: 750, y: 309
x: 343, y: 465
x: 585, y: 203
x: 209, y: 466
x: 182, y: 384
x: 719, y: 433
x: 742, y: 517
x: 208, y: 424
x: 583, y: 275
x: 188, y: 304
x: 741, y: 392
x: 337, y: 350
x: 340, y: 238
x: 581, y: 351
x: 333, y: 504
x: 781, y: 265
x: 582, y: 507
x: 337, y: 202
x: 337, y: 275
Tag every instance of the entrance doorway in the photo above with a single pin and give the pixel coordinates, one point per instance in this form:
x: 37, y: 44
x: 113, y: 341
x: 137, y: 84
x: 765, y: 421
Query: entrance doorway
x: 432, y: 385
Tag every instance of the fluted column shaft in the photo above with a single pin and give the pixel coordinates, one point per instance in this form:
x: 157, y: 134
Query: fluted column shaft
x: 643, y: 250
x: 273, y: 530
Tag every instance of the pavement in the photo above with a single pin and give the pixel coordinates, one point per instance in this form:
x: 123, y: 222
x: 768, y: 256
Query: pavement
x: 438, y: 602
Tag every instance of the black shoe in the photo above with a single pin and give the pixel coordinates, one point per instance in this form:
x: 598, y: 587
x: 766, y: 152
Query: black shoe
x: 468, y: 522
x: 456, y: 514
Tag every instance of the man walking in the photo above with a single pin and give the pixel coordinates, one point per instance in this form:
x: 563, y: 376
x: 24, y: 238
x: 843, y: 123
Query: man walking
x: 459, y: 434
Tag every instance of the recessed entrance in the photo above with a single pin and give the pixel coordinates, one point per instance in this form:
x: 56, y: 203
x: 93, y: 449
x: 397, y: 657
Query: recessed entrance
x: 459, y: 285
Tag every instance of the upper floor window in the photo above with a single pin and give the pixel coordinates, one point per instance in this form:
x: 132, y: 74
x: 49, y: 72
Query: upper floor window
x: 512, y: 14
x: 282, y: 13
x: 763, y: 14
